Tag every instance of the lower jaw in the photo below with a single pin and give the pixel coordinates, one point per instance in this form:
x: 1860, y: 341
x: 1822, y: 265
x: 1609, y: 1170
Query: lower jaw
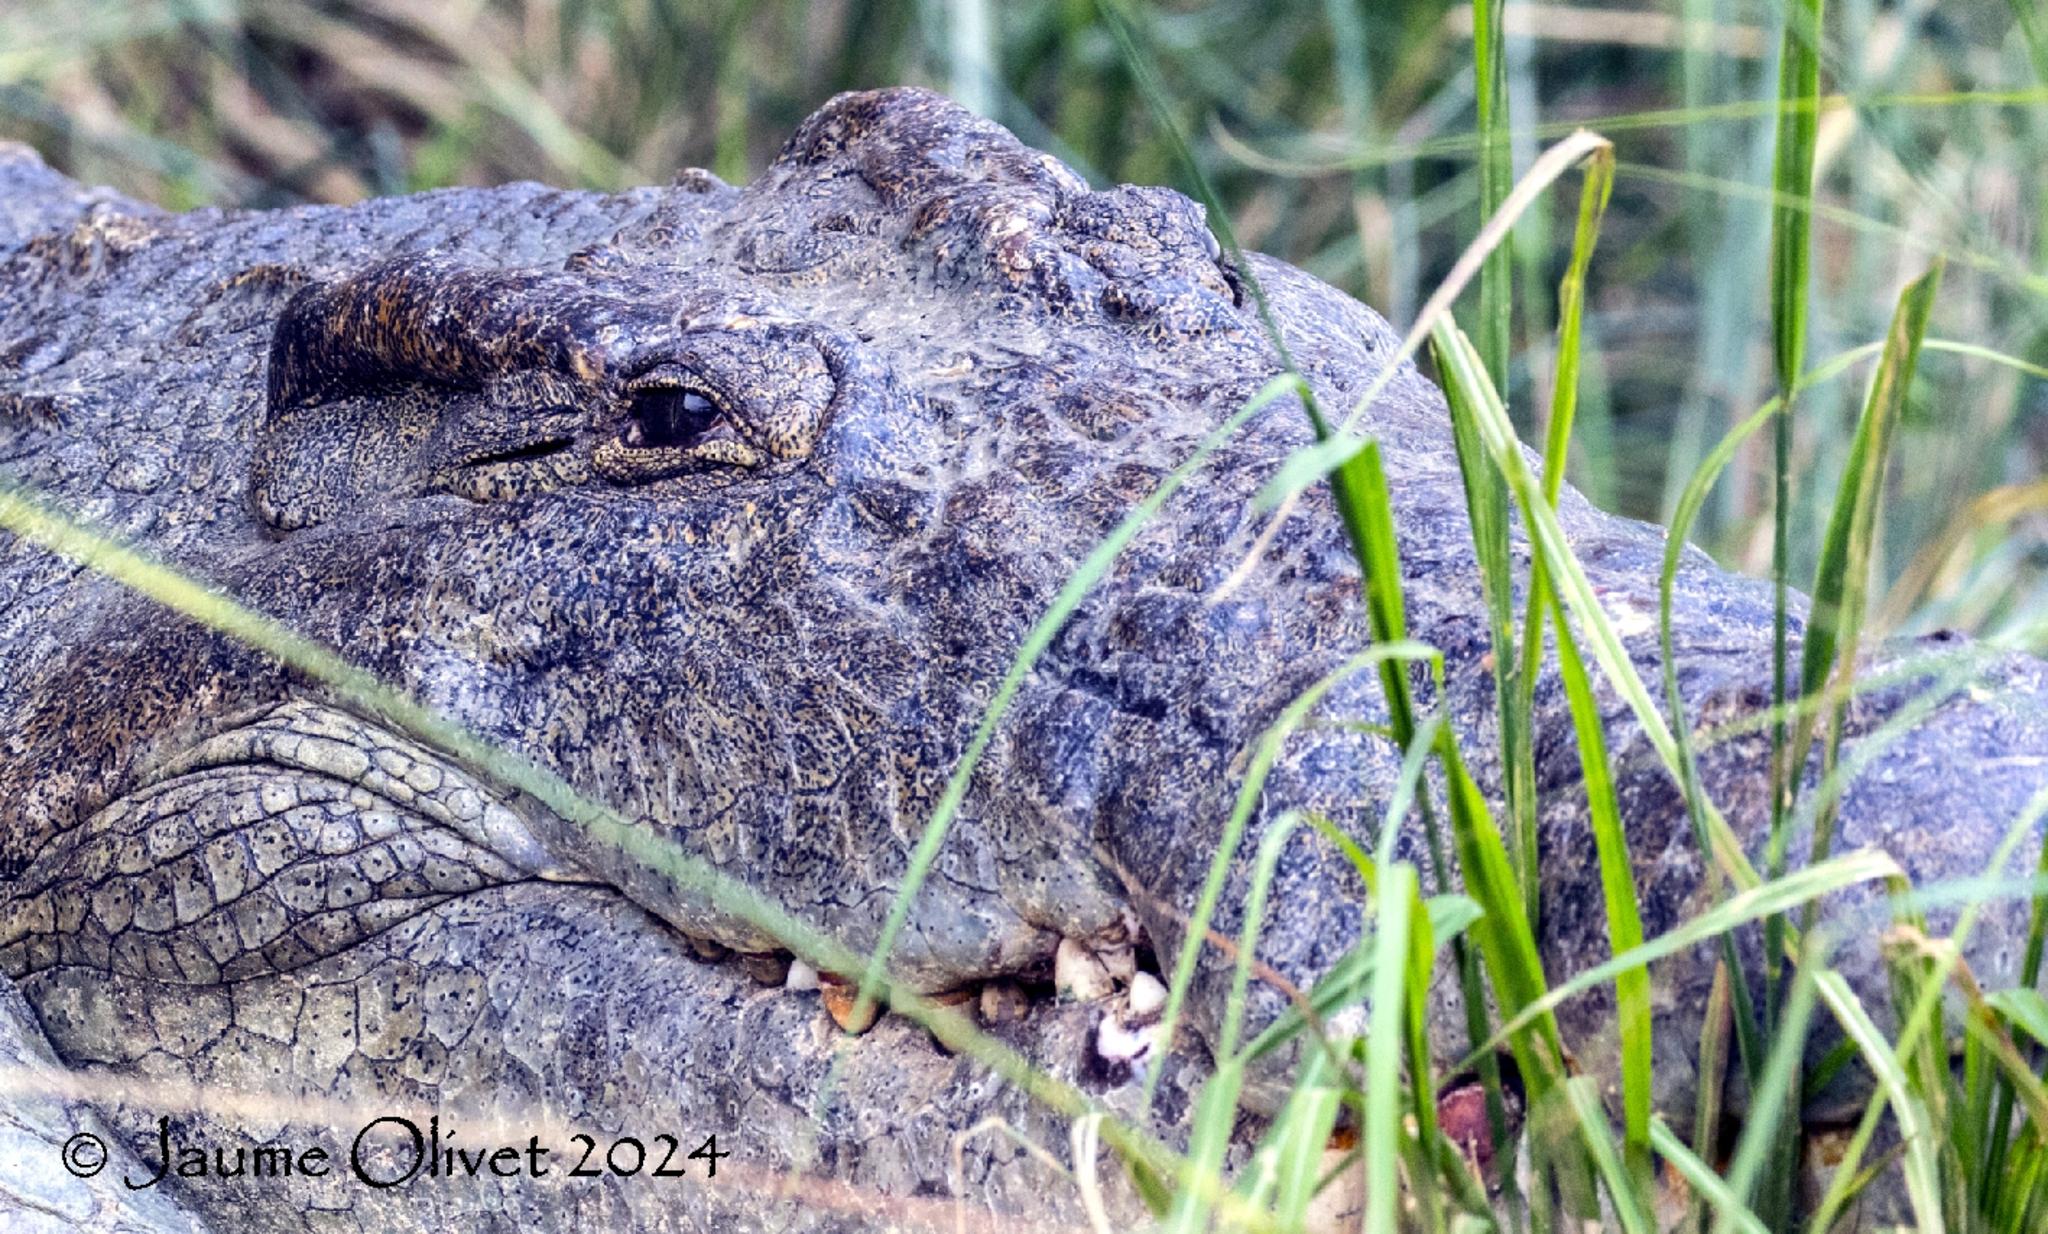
x: 548, y: 1011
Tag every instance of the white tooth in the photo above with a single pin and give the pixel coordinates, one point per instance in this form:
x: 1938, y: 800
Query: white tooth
x: 1119, y: 1043
x: 1003, y: 1002
x: 1077, y: 975
x: 1147, y: 997
x: 801, y: 977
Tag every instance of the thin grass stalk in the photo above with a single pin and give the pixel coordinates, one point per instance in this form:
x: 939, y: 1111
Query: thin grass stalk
x: 1748, y: 1038
x: 1791, y: 236
x: 1302, y: 1133
x: 1689, y: 505
x: 1428, y: 1140
x: 1564, y: 396
x: 1628, y: 1197
x: 1760, y: 1139
x: 1264, y: 755
x: 1922, y: 1187
x: 1576, y: 591
x: 1468, y: 145
x: 1709, y: 1188
x: 2030, y: 979
x: 1739, y: 909
x: 1485, y: 500
x: 1496, y: 176
x: 1511, y: 958
x: 1715, y: 1033
x: 1207, y: 1142
x: 1399, y: 896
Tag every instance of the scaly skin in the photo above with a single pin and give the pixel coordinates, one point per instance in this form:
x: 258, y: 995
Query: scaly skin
x: 731, y: 506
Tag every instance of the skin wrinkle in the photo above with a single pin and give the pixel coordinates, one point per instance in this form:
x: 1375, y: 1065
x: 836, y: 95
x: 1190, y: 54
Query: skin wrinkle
x: 956, y: 367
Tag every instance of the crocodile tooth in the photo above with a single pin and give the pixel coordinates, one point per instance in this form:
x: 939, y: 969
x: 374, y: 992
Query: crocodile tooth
x: 802, y: 977
x: 1078, y: 975
x: 1117, y: 1042
x: 842, y: 1000
x: 1147, y: 997
x: 767, y: 967
x: 1003, y: 1002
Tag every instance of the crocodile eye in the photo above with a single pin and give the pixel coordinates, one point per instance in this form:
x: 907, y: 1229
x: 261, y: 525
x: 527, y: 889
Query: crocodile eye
x: 670, y: 417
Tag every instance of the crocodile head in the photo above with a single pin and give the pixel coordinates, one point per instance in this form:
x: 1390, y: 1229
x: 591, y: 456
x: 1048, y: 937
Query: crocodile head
x: 733, y: 508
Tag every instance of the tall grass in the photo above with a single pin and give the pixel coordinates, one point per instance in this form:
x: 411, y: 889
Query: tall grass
x: 1319, y: 129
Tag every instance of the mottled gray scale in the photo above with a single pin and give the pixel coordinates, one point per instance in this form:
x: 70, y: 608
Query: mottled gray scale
x: 732, y: 506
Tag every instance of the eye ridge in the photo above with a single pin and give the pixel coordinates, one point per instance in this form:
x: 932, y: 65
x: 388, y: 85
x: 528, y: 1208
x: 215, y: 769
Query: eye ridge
x: 671, y: 416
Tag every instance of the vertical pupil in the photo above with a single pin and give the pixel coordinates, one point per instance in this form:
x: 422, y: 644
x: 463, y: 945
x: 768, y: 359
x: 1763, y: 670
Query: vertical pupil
x: 669, y: 417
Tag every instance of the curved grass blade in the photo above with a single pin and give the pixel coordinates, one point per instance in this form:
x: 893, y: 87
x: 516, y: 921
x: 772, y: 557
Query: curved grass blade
x: 1841, y: 585
x: 1041, y: 636
x: 1705, y: 1181
x: 1924, y: 1018
x: 1618, y: 889
x: 1264, y: 756
x: 1741, y: 908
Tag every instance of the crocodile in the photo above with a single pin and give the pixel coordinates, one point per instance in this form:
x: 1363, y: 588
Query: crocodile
x: 731, y: 507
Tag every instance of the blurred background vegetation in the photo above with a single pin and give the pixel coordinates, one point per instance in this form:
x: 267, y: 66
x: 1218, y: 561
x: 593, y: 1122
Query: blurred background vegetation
x: 1339, y: 133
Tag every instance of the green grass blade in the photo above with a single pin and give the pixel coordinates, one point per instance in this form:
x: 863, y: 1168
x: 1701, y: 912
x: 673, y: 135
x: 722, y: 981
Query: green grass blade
x: 1520, y: 759
x: 2030, y: 978
x: 1762, y: 1135
x: 1208, y: 1141
x: 1264, y: 756
x: 1624, y: 1185
x: 1035, y: 644
x: 1915, y: 1132
x: 1350, y: 977
x: 1575, y: 591
x: 1923, y: 1021
x: 1300, y: 1136
x: 1399, y: 897
x: 1618, y: 888
x: 1496, y: 175
x: 2023, y: 1009
x: 1841, y: 585
x: 1594, y: 195
x: 1263, y: 865
x: 1487, y: 513
x: 1715, y: 1031
x: 1705, y: 1181
x: 1739, y: 909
